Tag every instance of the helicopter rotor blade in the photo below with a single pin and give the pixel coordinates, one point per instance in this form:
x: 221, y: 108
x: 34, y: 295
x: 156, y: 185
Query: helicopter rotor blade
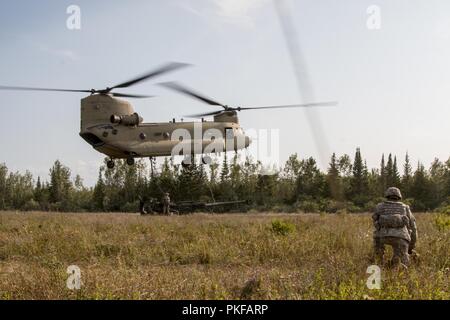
x: 201, y: 115
x: 160, y: 71
x: 128, y: 95
x: 300, y: 69
x: 189, y: 92
x: 305, y: 105
x: 41, y: 89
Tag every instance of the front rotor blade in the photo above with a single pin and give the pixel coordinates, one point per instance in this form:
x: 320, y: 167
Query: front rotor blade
x: 41, y: 89
x: 182, y: 89
x: 200, y: 115
x: 160, y: 71
x: 305, y: 105
x: 303, y: 81
x: 127, y: 95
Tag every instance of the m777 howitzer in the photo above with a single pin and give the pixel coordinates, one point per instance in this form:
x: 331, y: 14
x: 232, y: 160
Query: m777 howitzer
x: 154, y: 206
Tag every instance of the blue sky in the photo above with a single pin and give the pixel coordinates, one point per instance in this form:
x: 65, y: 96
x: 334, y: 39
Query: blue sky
x: 392, y: 84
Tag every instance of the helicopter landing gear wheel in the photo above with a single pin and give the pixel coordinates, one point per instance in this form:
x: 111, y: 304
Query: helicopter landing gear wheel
x: 184, y: 164
x: 206, y: 160
x: 130, y: 161
x: 187, y: 161
x: 110, y: 164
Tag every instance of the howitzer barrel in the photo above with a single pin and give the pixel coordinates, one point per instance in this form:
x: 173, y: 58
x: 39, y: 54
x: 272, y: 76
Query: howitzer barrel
x: 212, y: 204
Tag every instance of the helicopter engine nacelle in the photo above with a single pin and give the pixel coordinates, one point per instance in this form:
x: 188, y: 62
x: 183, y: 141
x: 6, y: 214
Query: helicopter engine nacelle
x: 127, y: 120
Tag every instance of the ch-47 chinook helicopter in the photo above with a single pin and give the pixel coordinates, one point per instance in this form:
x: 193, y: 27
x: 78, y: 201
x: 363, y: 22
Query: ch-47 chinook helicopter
x: 112, y: 126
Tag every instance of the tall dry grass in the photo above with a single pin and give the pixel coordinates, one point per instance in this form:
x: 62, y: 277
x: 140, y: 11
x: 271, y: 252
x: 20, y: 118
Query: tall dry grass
x: 267, y: 256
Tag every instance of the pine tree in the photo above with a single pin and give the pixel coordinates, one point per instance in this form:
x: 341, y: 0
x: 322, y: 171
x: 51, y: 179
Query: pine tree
x: 167, y: 178
x: 334, y: 179
x: 407, y: 177
x: 390, y: 172
x: 38, y: 183
x: 98, y: 196
x: 250, y: 176
x: 310, y: 181
x: 60, y: 185
x: 292, y: 167
x: 225, y: 173
x: 395, y: 175
x: 438, y: 182
x: 130, y: 183
x: 420, y: 189
x: 345, y: 166
x: 38, y: 192
x: 359, y: 181
x: 383, y: 176
x: 114, y: 180
x: 191, y: 183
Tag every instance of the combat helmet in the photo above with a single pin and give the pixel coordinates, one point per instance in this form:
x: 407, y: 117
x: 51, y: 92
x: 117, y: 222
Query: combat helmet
x: 393, y: 192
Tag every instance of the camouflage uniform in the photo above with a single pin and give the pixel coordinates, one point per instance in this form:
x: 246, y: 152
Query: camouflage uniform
x: 395, y: 226
x: 166, y: 203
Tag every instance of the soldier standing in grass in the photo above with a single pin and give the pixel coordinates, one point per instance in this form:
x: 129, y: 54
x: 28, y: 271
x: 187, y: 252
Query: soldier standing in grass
x: 166, y: 203
x: 395, y: 226
x: 142, y: 205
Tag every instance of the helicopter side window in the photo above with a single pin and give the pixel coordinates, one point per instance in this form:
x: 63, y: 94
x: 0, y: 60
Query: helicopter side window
x: 229, y: 134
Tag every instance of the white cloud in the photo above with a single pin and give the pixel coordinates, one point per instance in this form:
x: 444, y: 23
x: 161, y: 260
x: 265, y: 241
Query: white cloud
x: 237, y: 8
x: 236, y: 12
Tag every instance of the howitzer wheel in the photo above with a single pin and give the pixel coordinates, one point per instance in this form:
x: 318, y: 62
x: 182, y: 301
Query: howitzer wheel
x: 110, y: 164
x: 206, y: 160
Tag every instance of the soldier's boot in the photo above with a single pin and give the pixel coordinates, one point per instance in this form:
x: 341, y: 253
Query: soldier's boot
x: 414, y: 256
x: 396, y: 263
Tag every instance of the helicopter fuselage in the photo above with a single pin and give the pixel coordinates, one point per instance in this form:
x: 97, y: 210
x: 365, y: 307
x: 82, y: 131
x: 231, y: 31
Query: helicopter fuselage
x: 113, y: 128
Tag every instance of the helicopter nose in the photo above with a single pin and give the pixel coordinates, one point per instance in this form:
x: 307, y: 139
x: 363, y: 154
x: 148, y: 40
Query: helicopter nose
x: 248, y: 141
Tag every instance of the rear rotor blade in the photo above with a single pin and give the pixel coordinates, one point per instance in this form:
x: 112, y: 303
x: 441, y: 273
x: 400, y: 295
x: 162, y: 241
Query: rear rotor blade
x: 200, y: 115
x: 301, y: 72
x: 40, y: 89
x: 305, y: 105
x: 160, y: 71
x: 127, y: 95
x: 182, y: 89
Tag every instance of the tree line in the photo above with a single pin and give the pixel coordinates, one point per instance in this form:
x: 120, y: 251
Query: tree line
x: 299, y: 186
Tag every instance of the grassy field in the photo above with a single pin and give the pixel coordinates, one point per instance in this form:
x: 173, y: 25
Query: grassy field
x: 240, y: 256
